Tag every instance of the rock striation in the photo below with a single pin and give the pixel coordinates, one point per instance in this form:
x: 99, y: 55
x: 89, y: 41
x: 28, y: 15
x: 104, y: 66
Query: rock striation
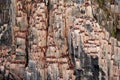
x: 59, y: 40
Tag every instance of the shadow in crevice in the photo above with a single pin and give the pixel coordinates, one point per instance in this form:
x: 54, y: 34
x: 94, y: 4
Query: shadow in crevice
x: 118, y: 34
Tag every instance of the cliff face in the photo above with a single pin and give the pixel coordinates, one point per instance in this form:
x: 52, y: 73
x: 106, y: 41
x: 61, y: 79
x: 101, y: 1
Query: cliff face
x: 107, y: 13
x: 59, y: 40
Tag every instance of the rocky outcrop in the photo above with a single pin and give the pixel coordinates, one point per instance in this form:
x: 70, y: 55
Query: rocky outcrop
x: 59, y: 40
x: 107, y: 14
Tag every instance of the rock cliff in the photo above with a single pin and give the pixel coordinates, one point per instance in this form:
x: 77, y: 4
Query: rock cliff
x: 60, y: 40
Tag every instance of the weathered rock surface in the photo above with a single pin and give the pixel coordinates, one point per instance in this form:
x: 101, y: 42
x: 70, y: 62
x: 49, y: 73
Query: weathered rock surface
x: 59, y: 40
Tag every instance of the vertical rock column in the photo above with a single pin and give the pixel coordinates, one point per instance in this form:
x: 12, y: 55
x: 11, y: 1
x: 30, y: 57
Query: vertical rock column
x: 37, y: 41
x: 20, y: 31
x: 57, y: 57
